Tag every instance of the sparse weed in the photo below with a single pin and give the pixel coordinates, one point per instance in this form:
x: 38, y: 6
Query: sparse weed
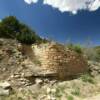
x: 76, y: 92
x: 59, y: 91
x: 76, y: 48
x: 87, y: 78
x: 69, y: 97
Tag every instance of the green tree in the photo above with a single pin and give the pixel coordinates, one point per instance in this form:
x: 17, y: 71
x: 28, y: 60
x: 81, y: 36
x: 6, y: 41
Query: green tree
x: 11, y: 27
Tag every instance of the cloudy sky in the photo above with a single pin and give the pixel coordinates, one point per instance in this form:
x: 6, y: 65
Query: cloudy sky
x: 60, y: 20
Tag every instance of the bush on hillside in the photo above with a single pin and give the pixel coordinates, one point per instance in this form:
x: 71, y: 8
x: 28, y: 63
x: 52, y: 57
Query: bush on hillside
x: 10, y: 27
x: 97, y: 49
x: 92, y: 53
x: 76, y: 48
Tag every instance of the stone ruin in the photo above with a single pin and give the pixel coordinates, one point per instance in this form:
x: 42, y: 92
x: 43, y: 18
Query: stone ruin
x: 52, y: 59
x: 60, y: 61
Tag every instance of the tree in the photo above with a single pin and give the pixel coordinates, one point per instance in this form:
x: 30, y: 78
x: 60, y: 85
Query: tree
x: 11, y: 27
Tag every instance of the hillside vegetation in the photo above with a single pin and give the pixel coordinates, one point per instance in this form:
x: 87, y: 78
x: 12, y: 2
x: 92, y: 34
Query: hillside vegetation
x: 11, y: 27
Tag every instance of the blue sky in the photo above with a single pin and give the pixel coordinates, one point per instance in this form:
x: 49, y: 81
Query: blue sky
x: 54, y: 22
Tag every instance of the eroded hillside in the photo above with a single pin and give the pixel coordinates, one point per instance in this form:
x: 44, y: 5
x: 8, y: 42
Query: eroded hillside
x: 32, y: 72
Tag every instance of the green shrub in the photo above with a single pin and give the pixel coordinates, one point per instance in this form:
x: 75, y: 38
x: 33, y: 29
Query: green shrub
x: 69, y: 97
x: 92, y: 53
x: 76, y: 92
x: 87, y: 78
x: 10, y: 27
x: 76, y: 48
x: 97, y: 50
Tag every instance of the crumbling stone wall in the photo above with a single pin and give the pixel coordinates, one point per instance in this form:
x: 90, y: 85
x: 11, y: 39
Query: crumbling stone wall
x: 59, y: 60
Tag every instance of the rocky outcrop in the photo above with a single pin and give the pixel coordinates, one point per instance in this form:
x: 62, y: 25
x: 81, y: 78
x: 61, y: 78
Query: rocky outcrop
x: 10, y: 58
x: 5, y: 88
x: 94, y: 68
x: 45, y: 60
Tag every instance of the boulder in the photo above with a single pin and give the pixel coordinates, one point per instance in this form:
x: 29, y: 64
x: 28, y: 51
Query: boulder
x: 4, y: 92
x: 5, y: 88
x: 5, y: 85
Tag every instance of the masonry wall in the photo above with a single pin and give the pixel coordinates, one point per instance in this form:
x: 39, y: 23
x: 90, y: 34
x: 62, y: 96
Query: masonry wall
x: 60, y: 60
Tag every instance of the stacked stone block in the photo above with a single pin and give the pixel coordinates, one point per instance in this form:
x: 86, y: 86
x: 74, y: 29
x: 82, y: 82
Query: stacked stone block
x: 60, y: 60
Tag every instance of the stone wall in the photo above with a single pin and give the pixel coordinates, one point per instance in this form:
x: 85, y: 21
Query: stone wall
x: 50, y: 59
x: 60, y: 60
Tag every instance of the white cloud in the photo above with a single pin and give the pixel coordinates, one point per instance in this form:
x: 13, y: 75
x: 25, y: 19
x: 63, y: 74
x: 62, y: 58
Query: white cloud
x: 95, y: 5
x: 72, y: 6
x: 31, y: 1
